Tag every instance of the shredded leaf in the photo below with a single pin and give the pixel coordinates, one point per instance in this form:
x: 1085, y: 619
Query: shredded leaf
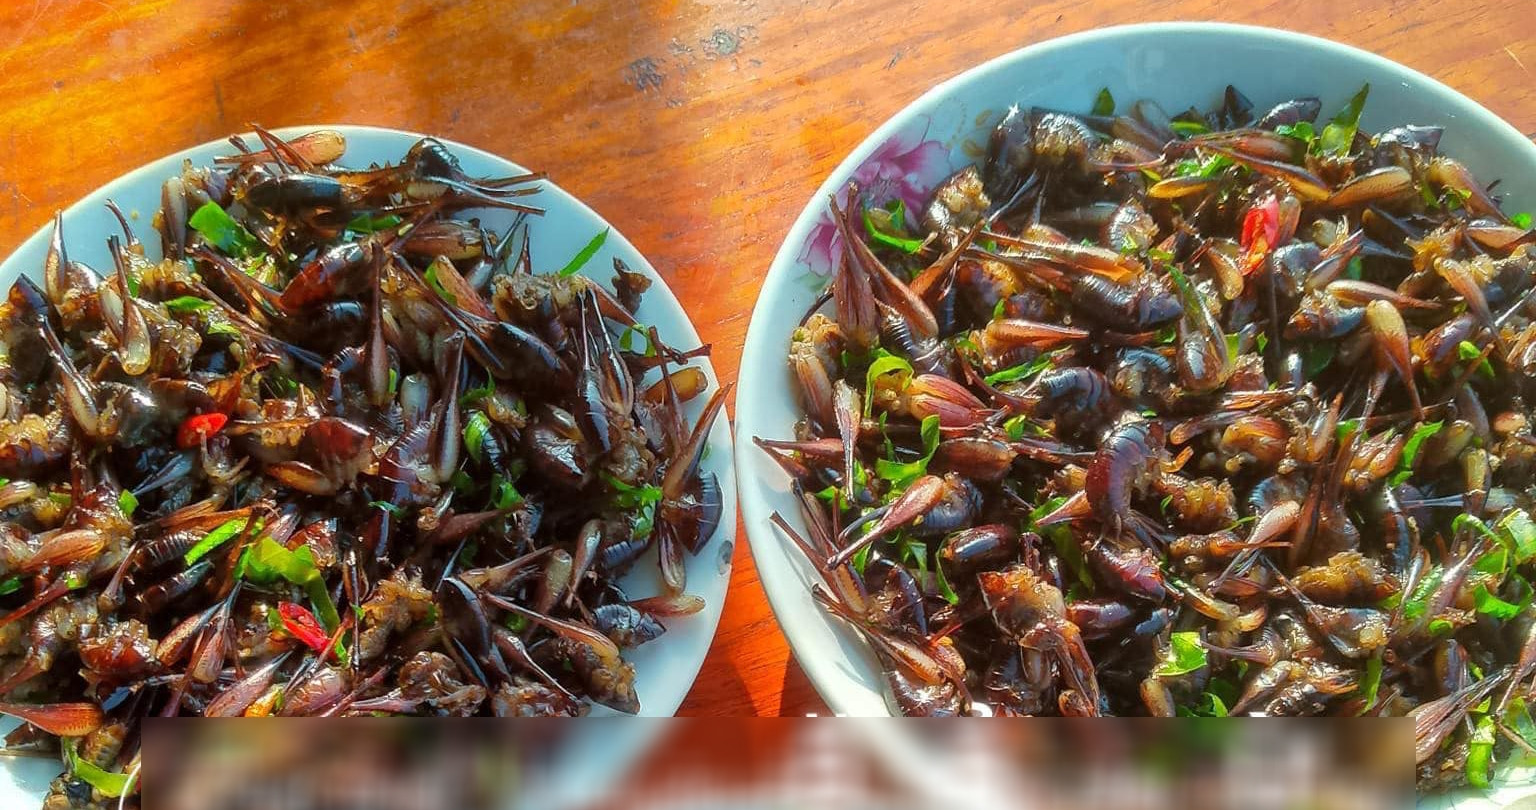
x: 367, y: 223
x: 187, y: 304
x: 436, y: 283
x: 1185, y: 655
x: 218, y: 537
x: 1480, y: 753
x: 476, y: 429
x: 504, y: 495
x: 943, y: 583
x: 585, y: 254
x: 1023, y: 371
x: 1339, y: 134
x: 1188, y: 128
x: 221, y: 230
x: 1370, y: 683
x: 885, y: 363
x: 1301, y: 131
x: 1411, y: 450
x: 128, y: 502
x: 1104, y: 103
x: 1521, y: 220
x: 1521, y: 532
x: 10, y: 585
x: 111, y: 785
x: 1491, y: 605
x: 891, y: 233
x: 394, y: 510
x: 901, y: 475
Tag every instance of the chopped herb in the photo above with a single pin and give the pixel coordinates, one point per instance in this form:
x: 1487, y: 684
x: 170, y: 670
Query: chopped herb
x: 111, y: 785
x: 476, y: 429
x: 1355, y: 269
x: 884, y: 235
x: 1159, y: 255
x: 585, y: 254
x: 1018, y: 426
x: 517, y: 623
x: 1317, y: 357
x: 1411, y: 450
x: 1521, y: 220
x: 1188, y: 128
x: 1301, y: 131
x: 436, y: 283
x: 503, y: 495
x: 627, y: 341
x: 1185, y: 655
x: 269, y: 561
x: 221, y: 230
x: 999, y: 309
x: 461, y: 482
x: 1262, y: 341
x: 10, y: 585
x: 902, y: 475
x: 1067, y: 548
x: 1023, y: 371
x: 1521, y: 531
x: 627, y: 496
x: 1480, y: 753
x: 1210, y: 705
x: 1104, y: 103
x: 367, y: 223
x: 187, y: 304
x: 1491, y: 605
x: 474, y: 395
x: 1346, y: 428
x: 885, y: 363
x: 1339, y: 134
x: 221, y: 327
x: 1467, y: 350
x: 128, y: 502
x: 218, y: 537
x: 1370, y: 684
x: 394, y: 382
x: 394, y: 511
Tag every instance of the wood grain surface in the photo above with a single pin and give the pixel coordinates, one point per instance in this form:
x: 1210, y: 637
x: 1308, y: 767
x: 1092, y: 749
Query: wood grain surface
x: 698, y: 128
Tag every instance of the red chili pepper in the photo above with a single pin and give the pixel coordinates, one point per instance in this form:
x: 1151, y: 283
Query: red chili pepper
x: 302, y: 625
x: 1261, y: 229
x: 196, y: 429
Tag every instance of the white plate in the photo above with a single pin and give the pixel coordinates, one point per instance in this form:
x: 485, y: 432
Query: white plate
x: 665, y: 668
x: 1175, y: 64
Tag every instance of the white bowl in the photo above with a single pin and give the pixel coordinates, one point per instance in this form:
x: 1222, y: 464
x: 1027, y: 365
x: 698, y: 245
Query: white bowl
x: 1175, y: 64
x: 665, y: 668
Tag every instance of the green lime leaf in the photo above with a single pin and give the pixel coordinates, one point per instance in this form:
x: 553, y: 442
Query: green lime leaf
x: 218, y: 537
x: 1370, y: 683
x: 1339, y: 134
x: 128, y: 502
x: 396, y: 512
x: 112, y: 785
x: 367, y: 223
x: 477, y: 428
x: 187, y: 304
x: 269, y: 561
x: 1023, y: 371
x: 1491, y: 605
x: 901, y: 475
x: 1411, y: 450
x: 503, y: 495
x: 585, y: 254
x: 1521, y: 534
x: 885, y: 363
x: 1188, y: 129
x: 1104, y: 103
x: 10, y: 585
x: 436, y: 283
x: 1185, y: 655
x: 884, y: 236
x: 1521, y: 220
x: 1480, y: 753
x: 221, y: 230
x: 1301, y: 131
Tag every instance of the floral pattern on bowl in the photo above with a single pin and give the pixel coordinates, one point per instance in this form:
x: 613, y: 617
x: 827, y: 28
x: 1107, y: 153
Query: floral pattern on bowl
x: 906, y: 168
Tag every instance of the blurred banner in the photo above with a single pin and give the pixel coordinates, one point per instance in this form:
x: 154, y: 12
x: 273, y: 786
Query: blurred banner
x: 847, y: 764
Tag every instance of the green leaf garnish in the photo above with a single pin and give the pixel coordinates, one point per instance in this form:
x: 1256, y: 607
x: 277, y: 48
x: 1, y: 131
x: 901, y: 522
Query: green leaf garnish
x: 1411, y: 450
x: 367, y: 223
x: 943, y: 583
x: 269, y: 561
x: 436, y: 283
x: 128, y: 502
x: 111, y: 785
x: 1104, y: 103
x: 477, y: 428
x: 1339, y: 134
x: 1467, y: 350
x: 1188, y: 128
x: 902, y: 475
x: 503, y: 495
x: 187, y: 304
x: 221, y: 230
x: 394, y: 510
x: 10, y: 585
x: 1521, y: 220
x: 1491, y: 605
x: 1480, y: 753
x: 885, y: 363
x: 1370, y: 684
x: 1301, y: 131
x: 585, y: 254
x: 218, y: 537
x: 891, y: 233
x: 1185, y: 655
x: 1521, y: 533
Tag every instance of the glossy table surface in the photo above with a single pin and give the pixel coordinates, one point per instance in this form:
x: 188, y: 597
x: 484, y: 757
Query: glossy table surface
x: 697, y: 128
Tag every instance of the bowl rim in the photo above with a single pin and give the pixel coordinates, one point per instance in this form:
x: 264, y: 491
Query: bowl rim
x: 722, y: 434
x: 782, y: 591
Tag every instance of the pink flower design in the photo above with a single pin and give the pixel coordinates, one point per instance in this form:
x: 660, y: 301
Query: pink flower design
x: 907, y: 168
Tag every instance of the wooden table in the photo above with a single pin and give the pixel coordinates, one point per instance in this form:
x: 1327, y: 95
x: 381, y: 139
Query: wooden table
x: 699, y: 127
